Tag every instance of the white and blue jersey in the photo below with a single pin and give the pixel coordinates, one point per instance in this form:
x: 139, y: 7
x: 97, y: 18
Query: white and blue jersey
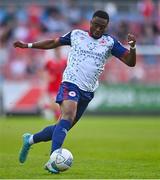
x: 87, y: 57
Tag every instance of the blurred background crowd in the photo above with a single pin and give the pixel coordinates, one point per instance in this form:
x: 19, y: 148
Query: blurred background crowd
x: 37, y: 20
x: 22, y: 80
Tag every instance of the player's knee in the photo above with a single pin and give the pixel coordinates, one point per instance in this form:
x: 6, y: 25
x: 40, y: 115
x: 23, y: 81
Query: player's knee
x: 69, y: 114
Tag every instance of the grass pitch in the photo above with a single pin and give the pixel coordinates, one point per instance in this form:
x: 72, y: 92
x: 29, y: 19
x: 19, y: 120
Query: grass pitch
x: 103, y: 147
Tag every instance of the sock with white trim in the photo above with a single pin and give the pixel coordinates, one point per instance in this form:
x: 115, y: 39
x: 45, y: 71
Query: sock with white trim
x: 44, y: 135
x: 60, y: 133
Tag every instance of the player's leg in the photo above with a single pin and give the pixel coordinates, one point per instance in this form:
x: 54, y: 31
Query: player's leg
x: 68, y: 114
x: 29, y: 140
x: 82, y: 106
x: 46, y: 133
x: 72, y: 111
x: 85, y: 98
x: 74, y: 101
x: 68, y: 110
x: 67, y: 98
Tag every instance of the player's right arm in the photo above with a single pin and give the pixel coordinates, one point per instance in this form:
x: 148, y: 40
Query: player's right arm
x: 46, y: 44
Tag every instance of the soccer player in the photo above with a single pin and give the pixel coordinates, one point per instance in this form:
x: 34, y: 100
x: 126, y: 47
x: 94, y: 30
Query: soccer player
x: 53, y: 70
x: 89, y: 52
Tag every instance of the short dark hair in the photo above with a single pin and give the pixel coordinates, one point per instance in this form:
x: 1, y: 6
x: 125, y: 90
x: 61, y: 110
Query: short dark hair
x: 101, y: 14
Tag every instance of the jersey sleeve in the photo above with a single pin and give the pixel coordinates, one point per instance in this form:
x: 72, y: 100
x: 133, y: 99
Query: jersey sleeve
x: 118, y: 50
x: 65, y: 39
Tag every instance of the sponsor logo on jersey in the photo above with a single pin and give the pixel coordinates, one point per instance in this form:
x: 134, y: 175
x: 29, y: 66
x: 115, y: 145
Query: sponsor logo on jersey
x: 91, y: 45
x: 81, y: 37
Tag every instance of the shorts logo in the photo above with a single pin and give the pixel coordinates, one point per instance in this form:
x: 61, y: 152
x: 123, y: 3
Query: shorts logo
x: 72, y: 94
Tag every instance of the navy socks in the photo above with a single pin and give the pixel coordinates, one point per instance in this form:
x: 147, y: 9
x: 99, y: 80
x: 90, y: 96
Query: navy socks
x: 56, y: 133
x: 60, y: 133
x: 44, y: 135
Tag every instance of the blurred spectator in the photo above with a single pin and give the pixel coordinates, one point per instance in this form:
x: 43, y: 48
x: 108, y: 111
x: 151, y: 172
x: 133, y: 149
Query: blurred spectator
x: 21, y: 31
x: 148, y: 34
x: 33, y: 22
x: 122, y: 31
x: 138, y: 74
x: 146, y: 7
x: 3, y: 48
x: 54, y: 21
x: 53, y: 70
x: 111, y: 8
x: 74, y: 13
x: 17, y: 66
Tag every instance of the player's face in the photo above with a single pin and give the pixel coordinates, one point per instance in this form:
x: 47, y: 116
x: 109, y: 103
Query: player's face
x: 98, y: 27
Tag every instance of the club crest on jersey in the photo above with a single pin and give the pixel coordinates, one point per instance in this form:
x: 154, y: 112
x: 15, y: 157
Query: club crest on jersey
x: 103, y: 42
x: 72, y: 93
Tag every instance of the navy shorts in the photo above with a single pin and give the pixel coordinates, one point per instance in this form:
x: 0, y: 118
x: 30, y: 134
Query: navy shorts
x: 70, y: 91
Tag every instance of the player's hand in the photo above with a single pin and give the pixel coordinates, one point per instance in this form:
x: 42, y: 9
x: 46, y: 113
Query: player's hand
x: 20, y: 44
x: 131, y: 40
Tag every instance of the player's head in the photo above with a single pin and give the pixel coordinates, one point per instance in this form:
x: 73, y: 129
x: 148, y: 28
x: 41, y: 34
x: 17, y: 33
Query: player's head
x: 99, y: 23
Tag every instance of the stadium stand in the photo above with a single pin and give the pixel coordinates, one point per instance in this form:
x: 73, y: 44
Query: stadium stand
x: 38, y: 20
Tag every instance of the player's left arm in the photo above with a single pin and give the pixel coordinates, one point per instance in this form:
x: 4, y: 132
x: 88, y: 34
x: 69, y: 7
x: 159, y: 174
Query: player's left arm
x: 126, y: 56
x: 129, y: 58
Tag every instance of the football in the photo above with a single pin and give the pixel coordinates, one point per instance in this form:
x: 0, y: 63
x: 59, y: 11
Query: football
x: 61, y: 159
